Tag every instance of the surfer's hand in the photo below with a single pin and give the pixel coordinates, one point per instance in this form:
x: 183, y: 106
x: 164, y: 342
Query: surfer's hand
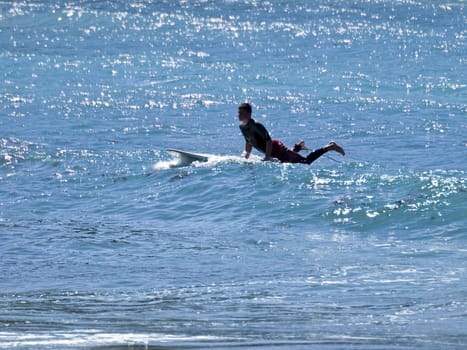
x: 246, y: 155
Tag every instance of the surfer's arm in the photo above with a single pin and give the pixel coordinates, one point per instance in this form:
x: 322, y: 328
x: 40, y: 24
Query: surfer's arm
x: 248, y: 148
x: 268, y: 150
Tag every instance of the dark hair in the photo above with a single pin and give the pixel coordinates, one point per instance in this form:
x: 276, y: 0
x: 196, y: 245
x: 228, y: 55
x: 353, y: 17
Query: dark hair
x: 246, y: 107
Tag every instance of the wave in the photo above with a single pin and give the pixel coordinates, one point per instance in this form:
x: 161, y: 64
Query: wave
x: 212, y: 160
x: 97, y: 339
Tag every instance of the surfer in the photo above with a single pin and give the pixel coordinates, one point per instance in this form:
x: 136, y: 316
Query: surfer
x: 258, y: 137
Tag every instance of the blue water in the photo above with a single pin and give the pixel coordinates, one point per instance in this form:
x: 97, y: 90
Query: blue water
x: 105, y: 245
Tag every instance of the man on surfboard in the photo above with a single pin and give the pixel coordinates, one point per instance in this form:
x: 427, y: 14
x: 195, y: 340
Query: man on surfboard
x: 258, y: 137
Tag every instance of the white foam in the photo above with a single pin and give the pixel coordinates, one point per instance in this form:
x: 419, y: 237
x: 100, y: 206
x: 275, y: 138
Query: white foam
x: 166, y: 164
x: 213, y: 160
x: 216, y: 159
x: 93, y: 338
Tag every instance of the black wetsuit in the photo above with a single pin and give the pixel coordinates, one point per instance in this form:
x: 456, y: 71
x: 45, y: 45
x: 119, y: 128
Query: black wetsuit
x: 256, y: 135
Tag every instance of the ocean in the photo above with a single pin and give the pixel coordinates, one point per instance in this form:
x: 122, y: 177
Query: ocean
x: 107, y: 242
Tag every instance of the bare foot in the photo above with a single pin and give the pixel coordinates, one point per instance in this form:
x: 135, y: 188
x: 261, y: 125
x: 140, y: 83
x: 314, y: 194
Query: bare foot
x: 302, y: 146
x: 332, y: 146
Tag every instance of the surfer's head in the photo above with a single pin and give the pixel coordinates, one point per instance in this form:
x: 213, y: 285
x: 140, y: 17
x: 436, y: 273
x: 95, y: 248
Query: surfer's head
x: 244, y: 112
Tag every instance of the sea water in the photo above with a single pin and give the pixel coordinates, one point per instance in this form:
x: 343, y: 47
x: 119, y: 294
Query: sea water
x: 104, y: 243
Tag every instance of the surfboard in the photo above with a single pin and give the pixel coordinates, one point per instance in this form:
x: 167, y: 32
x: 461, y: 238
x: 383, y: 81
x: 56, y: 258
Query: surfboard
x: 187, y: 158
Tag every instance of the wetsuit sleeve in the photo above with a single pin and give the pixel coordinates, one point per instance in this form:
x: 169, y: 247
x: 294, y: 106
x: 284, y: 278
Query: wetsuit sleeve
x: 245, y: 134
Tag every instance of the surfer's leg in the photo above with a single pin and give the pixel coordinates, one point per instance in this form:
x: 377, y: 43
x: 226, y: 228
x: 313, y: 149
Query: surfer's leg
x: 315, y: 155
x: 331, y: 146
x: 294, y: 157
x: 284, y: 154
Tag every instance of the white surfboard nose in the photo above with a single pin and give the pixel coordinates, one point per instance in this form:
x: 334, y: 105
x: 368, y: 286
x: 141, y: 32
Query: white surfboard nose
x: 186, y: 158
